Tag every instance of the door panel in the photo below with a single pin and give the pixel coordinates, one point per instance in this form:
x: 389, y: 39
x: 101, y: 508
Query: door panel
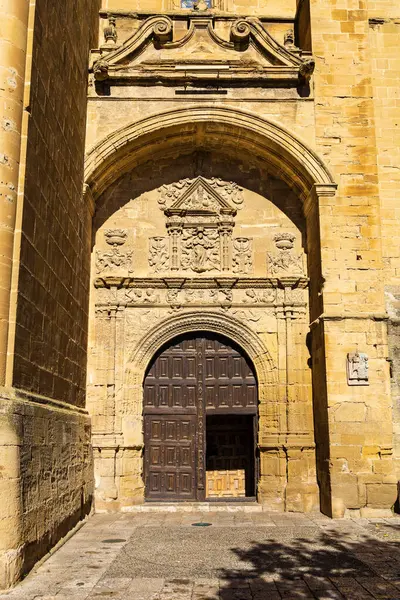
x: 195, y: 376
x: 170, y: 457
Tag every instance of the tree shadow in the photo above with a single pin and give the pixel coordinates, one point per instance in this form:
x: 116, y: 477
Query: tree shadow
x: 331, y: 565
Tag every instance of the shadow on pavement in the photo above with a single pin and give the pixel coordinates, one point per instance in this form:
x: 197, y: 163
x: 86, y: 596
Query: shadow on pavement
x: 327, y: 567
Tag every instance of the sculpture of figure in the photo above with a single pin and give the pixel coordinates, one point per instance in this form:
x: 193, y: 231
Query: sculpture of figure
x: 200, y: 250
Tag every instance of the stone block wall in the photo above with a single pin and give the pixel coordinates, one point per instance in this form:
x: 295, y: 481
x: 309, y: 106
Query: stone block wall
x: 384, y: 30
x: 45, y: 448
x: 361, y: 472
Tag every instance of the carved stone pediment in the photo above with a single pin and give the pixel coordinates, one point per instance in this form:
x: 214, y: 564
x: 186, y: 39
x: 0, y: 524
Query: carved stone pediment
x: 200, y: 199
x: 156, y: 51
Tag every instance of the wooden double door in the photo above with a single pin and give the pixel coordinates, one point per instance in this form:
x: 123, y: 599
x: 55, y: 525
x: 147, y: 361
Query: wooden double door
x: 200, y: 421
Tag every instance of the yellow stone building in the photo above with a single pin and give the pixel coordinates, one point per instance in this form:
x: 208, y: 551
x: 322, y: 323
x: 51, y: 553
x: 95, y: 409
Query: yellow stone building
x: 200, y: 259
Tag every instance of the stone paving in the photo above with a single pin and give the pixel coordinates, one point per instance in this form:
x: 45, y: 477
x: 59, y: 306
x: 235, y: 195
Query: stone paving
x: 241, y: 556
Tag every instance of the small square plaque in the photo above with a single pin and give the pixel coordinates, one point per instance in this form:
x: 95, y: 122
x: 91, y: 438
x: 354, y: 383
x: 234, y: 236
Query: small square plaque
x: 357, y: 369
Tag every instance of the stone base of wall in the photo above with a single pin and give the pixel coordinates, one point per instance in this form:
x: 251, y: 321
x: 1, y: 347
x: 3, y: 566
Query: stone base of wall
x: 46, y: 477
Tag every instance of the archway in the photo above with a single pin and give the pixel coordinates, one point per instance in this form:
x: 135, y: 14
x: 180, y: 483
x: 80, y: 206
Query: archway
x: 200, y: 421
x: 175, y: 291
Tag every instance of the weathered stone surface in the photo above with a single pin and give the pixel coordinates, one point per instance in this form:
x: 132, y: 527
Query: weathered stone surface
x: 249, y: 199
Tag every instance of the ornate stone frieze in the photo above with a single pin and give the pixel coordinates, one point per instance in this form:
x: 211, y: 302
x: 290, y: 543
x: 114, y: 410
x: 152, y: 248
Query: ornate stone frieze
x: 285, y: 260
x: 141, y: 296
x: 242, y: 255
x: 257, y: 296
x: 249, y: 316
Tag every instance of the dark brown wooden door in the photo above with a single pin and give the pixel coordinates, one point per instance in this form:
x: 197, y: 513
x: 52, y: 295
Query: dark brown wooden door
x: 195, y: 376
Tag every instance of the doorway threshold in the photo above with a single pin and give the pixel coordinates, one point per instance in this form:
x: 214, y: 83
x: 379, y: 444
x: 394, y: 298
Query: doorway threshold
x: 188, y: 507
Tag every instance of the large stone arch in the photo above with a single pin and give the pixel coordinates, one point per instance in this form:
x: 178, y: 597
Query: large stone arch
x: 213, y: 322
x: 289, y: 156
x: 168, y: 134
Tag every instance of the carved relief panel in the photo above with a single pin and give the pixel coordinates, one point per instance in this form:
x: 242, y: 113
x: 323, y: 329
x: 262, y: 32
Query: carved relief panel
x: 200, y: 219
x: 285, y: 261
x: 115, y: 259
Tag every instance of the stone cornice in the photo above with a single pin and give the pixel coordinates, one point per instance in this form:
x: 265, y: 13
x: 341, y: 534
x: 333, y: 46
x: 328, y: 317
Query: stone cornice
x: 230, y: 282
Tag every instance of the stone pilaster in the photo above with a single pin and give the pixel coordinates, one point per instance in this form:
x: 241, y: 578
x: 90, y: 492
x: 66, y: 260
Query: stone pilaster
x: 14, y: 16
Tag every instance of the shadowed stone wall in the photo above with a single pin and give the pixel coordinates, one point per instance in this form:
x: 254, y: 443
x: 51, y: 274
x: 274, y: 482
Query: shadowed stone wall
x: 45, y: 452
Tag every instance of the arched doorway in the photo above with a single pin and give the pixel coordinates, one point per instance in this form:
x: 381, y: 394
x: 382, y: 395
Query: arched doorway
x: 200, y: 421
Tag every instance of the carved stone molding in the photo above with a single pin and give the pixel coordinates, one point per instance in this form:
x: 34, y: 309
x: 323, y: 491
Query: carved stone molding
x: 216, y: 322
x: 274, y: 62
x: 269, y: 140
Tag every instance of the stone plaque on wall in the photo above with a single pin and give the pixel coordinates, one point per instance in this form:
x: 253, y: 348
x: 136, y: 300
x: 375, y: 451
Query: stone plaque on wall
x: 357, y: 369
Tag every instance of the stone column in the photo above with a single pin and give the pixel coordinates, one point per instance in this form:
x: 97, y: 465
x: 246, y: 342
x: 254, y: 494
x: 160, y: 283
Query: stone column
x: 14, y: 16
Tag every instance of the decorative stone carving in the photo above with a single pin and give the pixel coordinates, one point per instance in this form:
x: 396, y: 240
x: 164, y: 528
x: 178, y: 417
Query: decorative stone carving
x: 249, y: 316
x: 110, y: 34
x: 100, y: 69
x: 242, y: 255
x: 260, y: 296
x: 195, y: 296
x: 141, y: 296
x: 173, y: 297
x: 288, y: 40
x: 357, y: 369
x: 200, y: 250
x: 200, y: 219
x: 159, y: 254
x: 228, y: 190
x: 116, y: 237
x: 113, y: 260
x: 286, y: 261
x: 227, y: 296
x: 307, y: 68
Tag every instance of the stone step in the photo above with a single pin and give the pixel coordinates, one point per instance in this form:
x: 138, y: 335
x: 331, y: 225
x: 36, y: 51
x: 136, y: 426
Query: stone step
x: 187, y: 507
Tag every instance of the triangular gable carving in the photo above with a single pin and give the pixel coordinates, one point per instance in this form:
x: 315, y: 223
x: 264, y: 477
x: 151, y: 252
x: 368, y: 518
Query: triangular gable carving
x: 200, y: 198
x: 152, y: 51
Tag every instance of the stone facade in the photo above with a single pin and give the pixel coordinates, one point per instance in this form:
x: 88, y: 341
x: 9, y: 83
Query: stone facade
x: 228, y: 97
x: 240, y: 178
